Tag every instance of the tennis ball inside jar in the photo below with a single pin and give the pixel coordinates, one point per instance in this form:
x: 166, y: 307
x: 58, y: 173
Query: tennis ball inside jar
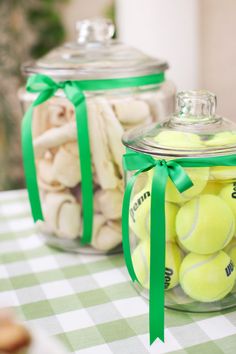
x: 202, y: 218
x: 207, y: 278
x: 141, y: 263
x: 140, y: 215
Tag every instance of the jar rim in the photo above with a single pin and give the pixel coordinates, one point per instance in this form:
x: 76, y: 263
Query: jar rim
x: 193, y: 130
x: 94, y: 54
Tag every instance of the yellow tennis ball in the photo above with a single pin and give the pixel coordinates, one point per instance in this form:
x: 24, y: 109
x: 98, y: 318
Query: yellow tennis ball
x: 141, y: 263
x: 228, y: 194
x: 205, y: 224
x: 223, y: 174
x: 212, y: 187
x: 230, y: 249
x: 207, y: 278
x: 199, y: 177
x: 222, y: 138
x: 142, y: 181
x: 174, y: 258
x: 139, y: 220
x: 171, y: 211
x: 138, y: 213
x: 179, y: 139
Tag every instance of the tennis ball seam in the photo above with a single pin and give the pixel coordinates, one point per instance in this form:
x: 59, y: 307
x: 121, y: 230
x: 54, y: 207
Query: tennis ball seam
x: 229, y: 235
x: 199, y: 264
x: 194, y: 223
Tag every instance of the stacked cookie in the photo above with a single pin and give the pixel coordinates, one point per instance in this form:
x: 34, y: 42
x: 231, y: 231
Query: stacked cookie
x: 58, y: 168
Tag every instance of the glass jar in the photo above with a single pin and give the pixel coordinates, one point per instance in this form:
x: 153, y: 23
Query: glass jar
x: 94, y: 55
x: 200, y: 241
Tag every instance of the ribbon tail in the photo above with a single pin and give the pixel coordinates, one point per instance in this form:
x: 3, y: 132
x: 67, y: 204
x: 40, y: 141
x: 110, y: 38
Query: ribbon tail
x: 86, y: 169
x: 157, y: 254
x: 29, y: 165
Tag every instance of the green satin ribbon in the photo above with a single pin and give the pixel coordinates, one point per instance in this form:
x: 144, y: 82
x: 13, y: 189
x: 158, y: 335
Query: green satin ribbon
x: 174, y: 169
x: 47, y: 88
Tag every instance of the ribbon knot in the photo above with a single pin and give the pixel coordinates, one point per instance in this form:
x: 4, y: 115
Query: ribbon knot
x: 61, y: 85
x: 162, y: 162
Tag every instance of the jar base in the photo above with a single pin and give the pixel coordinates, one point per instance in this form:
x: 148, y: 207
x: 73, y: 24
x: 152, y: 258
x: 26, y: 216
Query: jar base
x: 176, y: 299
x: 75, y: 245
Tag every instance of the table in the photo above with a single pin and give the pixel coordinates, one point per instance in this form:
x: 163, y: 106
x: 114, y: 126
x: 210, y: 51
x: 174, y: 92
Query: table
x: 87, y: 301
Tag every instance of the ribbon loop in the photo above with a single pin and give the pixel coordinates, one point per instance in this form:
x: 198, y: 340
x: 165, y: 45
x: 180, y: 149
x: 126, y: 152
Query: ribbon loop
x: 44, y: 85
x: 178, y: 176
x: 136, y: 161
x: 38, y: 83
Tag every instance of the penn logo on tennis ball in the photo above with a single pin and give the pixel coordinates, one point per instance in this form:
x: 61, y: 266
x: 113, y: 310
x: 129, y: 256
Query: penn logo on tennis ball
x: 229, y: 269
x: 168, y: 274
x: 138, y: 203
x: 233, y: 195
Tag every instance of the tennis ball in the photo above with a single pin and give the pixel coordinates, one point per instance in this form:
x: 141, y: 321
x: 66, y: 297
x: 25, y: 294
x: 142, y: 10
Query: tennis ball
x: 230, y: 249
x: 207, y: 278
x: 142, y: 181
x: 212, y: 187
x: 141, y: 263
x: 222, y: 138
x: 199, y: 177
x: 205, y: 224
x: 171, y: 211
x: 223, y: 174
x: 228, y: 194
x: 179, y: 139
x: 140, y: 216
x: 139, y: 211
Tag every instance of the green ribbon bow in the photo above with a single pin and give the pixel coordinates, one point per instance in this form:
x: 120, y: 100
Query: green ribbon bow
x: 46, y: 88
x: 162, y: 170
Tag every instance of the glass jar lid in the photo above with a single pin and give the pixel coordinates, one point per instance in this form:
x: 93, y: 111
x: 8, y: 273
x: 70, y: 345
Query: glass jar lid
x: 194, y: 129
x: 95, y: 55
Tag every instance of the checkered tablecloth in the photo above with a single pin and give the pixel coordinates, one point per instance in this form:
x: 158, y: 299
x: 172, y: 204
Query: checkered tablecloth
x: 87, y: 301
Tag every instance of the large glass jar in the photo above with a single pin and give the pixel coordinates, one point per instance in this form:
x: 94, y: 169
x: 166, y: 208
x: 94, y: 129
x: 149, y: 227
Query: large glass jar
x: 200, y: 253
x: 94, y: 55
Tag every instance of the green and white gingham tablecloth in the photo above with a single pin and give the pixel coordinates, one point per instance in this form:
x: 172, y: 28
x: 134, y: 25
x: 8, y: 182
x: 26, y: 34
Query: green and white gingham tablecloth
x: 87, y: 301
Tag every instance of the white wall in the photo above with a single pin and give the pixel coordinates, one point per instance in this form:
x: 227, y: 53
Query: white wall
x: 196, y: 36
x: 75, y: 10
x: 218, y: 23
x: 167, y: 29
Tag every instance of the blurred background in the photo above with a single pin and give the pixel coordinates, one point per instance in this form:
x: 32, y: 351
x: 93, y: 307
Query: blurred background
x: 196, y: 37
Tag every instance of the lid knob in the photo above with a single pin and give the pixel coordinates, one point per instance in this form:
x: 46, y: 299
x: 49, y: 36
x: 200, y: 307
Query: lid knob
x: 196, y: 104
x: 96, y: 30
